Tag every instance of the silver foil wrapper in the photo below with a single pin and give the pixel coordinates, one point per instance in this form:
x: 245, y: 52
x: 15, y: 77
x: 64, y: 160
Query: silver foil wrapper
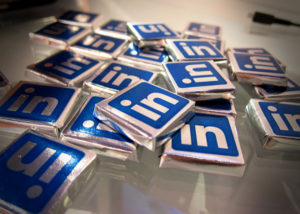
x: 145, y: 113
x: 277, y: 124
x: 49, y: 182
x: 38, y: 106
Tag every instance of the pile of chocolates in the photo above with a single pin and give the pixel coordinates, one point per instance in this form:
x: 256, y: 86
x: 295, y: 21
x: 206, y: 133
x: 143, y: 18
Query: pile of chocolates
x: 123, y: 86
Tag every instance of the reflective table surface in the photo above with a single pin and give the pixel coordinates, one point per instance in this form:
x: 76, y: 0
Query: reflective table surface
x: 268, y: 183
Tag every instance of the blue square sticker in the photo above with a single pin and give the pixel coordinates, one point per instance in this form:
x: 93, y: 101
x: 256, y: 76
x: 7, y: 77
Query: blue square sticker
x: 149, y: 104
x: 117, y: 76
x: 36, y: 102
x: 151, y: 31
x: 197, y: 76
x: 283, y: 118
x: 66, y: 65
x: 42, y: 165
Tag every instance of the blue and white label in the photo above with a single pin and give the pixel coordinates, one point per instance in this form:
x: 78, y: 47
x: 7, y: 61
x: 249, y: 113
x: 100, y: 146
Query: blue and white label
x: 149, y: 104
x: 152, y: 55
x: 255, y: 51
x: 87, y: 124
x: 33, y: 169
x: 207, y: 134
x: 35, y: 102
x: 284, y: 119
x: 199, y: 28
x: 80, y: 17
x: 195, y: 49
x: 66, y: 64
x: 118, y: 76
x: 61, y: 31
x: 258, y: 64
x: 115, y: 26
x: 195, y: 75
x: 216, y: 42
x: 100, y: 43
x: 152, y: 31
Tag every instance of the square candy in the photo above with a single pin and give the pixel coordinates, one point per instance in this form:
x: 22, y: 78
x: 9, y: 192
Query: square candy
x: 257, y: 69
x: 208, y: 139
x: 204, y: 30
x: 100, y: 46
x: 218, y: 43
x: 59, y: 34
x: 116, y: 76
x: 147, y: 57
x: 193, y: 50
x: 150, y: 34
x: 278, y: 123
x: 65, y: 68
x: 84, y: 130
x: 199, y: 80
x: 38, y: 173
x: 39, y: 106
x: 145, y: 113
x: 115, y: 28
x: 291, y: 92
x: 80, y: 18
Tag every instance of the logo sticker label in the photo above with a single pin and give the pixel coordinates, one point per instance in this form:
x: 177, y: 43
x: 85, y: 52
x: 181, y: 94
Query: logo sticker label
x: 152, y: 31
x: 61, y: 31
x: 115, y: 26
x: 36, y: 102
x: 67, y: 65
x: 101, y: 43
x: 196, y: 75
x: 284, y: 119
x: 207, y: 134
x: 149, y: 104
x: 41, y: 164
x: 118, y: 76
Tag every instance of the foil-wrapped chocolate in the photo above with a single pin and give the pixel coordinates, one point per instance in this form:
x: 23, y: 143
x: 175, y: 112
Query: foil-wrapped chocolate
x: 38, y: 106
x: 147, y: 57
x: 80, y: 18
x: 115, y: 28
x: 116, y: 76
x: 199, y: 80
x: 65, y: 68
x: 100, y: 46
x: 256, y: 69
x: 194, y: 50
x: 291, y: 92
x: 59, y: 34
x: 218, y: 43
x: 150, y: 34
x: 205, y: 139
x: 203, y: 30
x: 278, y: 123
x: 85, y: 130
x: 41, y: 175
x: 145, y: 113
